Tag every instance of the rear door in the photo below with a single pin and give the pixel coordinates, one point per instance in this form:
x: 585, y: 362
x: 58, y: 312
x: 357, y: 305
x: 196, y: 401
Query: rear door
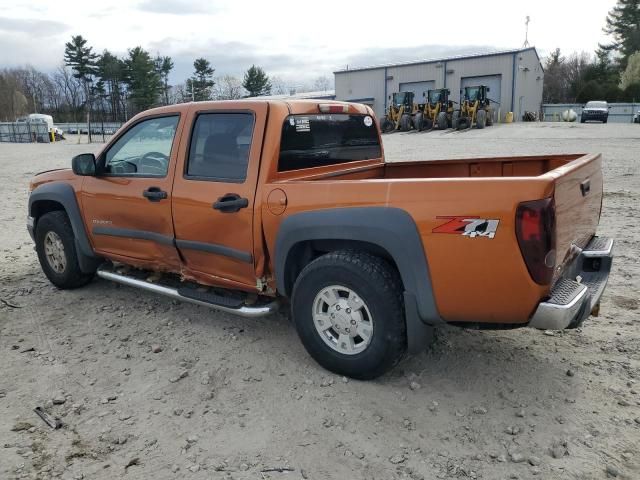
x: 127, y: 208
x: 214, y: 192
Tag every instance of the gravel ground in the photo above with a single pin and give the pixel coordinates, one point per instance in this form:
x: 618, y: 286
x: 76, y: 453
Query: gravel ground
x: 150, y: 388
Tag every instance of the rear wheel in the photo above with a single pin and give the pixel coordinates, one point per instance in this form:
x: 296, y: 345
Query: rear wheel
x: 405, y: 122
x: 348, y: 310
x: 418, y: 121
x: 464, y: 122
x: 489, y: 118
x: 442, y: 121
x: 455, y: 117
x: 481, y: 119
x: 55, y: 245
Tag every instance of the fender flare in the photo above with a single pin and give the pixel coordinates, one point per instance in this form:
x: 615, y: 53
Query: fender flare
x: 391, y: 229
x: 64, y: 194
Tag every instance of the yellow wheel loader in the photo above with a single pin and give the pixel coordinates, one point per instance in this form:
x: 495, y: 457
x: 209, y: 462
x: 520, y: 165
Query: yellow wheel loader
x: 399, y: 113
x: 436, y: 113
x: 475, y: 109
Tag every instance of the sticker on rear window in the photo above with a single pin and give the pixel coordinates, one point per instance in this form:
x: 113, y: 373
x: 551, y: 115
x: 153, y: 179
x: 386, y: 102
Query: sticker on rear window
x: 302, y: 124
x: 368, y: 121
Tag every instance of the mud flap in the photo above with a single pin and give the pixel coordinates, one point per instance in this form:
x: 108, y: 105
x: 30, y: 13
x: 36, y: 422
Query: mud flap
x: 419, y: 334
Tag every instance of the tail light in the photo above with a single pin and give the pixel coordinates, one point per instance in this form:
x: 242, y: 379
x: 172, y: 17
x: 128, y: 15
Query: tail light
x: 333, y: 108
x: 536, y: 233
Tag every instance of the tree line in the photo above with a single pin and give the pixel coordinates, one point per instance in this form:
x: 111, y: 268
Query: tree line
x: 105, y: 87
x: 612, y: 73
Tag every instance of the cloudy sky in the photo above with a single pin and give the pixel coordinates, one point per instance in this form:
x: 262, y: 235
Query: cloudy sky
x: 297, y: 41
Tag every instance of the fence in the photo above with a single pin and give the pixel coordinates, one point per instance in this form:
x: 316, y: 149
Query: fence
x: 23, y: 132
x: 619, y: 113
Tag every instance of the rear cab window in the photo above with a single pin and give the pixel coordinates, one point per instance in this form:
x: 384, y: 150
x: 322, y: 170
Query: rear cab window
x: 327, y: 139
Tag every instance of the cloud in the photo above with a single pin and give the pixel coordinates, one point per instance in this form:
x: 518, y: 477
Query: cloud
x: 32, y: 27
x: 178, y: 7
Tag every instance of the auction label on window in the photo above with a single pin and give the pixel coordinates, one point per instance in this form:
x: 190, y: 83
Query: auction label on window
x: 302, y: 124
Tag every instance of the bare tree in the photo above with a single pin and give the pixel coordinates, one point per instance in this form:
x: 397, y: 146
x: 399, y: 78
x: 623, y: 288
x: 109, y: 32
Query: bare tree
x: 322, y: 83
x: 228, y: 88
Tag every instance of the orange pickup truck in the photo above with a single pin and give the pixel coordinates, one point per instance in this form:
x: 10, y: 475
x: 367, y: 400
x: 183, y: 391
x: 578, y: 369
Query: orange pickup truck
x: 247, y: 205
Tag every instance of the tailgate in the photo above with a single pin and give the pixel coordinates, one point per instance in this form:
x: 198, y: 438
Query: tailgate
x: 578, y: 200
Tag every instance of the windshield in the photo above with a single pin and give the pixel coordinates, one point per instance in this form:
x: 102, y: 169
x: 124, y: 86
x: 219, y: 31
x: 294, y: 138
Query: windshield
x: 434, y: 96
x: 317, y: 140
x: 471, y: 93
x: 596, y: 105
x: 399, y: 98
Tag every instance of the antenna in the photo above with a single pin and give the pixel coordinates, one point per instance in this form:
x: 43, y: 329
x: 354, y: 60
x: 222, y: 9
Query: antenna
x: 526, y: 33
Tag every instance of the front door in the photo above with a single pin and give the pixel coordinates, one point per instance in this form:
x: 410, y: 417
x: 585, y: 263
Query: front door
x: 127, y: 207
x: 214, y: 191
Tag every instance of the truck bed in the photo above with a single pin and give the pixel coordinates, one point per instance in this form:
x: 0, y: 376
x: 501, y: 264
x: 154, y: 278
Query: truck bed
x: 522, y: 166
x: 485, y: 269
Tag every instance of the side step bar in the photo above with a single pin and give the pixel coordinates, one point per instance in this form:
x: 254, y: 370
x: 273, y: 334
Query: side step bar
x: 243, y: 310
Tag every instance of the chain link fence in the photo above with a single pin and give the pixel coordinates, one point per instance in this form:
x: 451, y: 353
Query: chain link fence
x: 24, y: 132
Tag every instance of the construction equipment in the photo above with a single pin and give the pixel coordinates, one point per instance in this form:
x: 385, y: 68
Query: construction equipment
x: 475, y: 108
x: 437, y: 112
x: 399, y: 113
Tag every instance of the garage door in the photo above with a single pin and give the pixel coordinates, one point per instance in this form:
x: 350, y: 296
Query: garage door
x: 418, y: 88
x: 494, y: 82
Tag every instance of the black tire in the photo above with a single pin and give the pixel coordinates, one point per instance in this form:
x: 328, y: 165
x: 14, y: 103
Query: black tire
x: 464, y: 122
x: 605, y: 120
x: 489, y: 118
x: 405, y: 122
x: 418, y: 121
x: 481, y: 119
x: 442, y: 121
x: 70, y: 276
x: 455, y: 119
x: 379, y: 286
x: 386, y: 125
x: 582, y: 120
x: 428, y: 123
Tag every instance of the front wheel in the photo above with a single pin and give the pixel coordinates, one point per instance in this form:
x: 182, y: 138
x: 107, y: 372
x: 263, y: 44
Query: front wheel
x: 442, y: 121
x: 55, y: 245
x: 418, y: 121
x: 348, y: 310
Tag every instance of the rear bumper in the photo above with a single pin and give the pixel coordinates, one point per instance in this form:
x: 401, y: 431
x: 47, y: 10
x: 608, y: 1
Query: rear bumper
x: 577, y: 295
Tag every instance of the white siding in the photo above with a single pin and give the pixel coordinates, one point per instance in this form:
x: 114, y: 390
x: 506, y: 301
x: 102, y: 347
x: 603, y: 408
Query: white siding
x: 359, y: 84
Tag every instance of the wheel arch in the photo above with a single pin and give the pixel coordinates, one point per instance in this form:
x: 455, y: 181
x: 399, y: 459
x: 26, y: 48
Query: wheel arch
x: 56, y: 196
x: 386, y: 231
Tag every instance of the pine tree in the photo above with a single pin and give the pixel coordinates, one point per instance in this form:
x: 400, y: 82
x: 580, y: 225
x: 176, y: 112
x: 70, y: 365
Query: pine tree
x: 111, y: 71
x: 199, y: 86
x: 82, y: 61
x: 142, y: 79
x: 623, y: 24
x: 164, y: 65
x: 256, y: 82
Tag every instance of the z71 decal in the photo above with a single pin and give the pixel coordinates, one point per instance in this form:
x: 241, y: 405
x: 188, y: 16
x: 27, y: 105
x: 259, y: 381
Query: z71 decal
x: 467, y: 226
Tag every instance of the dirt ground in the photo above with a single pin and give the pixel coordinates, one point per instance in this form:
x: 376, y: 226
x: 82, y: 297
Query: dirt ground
x: 232, y: 398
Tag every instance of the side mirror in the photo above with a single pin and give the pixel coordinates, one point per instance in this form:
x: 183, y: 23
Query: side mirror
x: 84, y: 164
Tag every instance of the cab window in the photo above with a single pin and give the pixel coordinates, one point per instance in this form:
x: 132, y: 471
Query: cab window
x: 220, y: 145
x: 144, y: 150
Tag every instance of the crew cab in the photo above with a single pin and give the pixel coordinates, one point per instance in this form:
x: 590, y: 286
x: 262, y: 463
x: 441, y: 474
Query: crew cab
x: 247, y: 206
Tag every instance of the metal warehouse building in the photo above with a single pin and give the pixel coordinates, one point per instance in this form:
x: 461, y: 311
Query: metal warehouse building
x: 515, y: 79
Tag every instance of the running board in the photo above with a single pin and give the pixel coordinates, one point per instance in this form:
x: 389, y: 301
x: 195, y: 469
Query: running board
x: 210, y: 300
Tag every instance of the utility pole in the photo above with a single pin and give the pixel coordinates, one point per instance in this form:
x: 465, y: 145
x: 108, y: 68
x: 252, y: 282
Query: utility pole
x: 526, y: 33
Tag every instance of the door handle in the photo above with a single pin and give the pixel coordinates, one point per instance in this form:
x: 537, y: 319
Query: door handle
x: 154, y: 194
x: 230, y: 203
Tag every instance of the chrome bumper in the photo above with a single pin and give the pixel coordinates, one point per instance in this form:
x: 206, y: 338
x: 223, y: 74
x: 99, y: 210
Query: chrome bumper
x: 577, y: 295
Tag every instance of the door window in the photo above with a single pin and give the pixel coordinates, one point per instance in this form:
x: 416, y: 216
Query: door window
x: 220, y: 145
x: 144, y: 150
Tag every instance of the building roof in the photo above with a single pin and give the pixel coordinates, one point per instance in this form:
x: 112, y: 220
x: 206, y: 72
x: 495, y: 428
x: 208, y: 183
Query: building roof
x: 321, y: 95
x: 442, y: 59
